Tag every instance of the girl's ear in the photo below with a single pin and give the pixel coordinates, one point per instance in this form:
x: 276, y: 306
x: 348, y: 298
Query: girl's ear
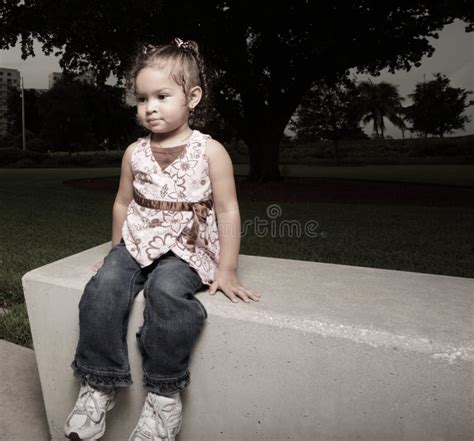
x: 194, y: 97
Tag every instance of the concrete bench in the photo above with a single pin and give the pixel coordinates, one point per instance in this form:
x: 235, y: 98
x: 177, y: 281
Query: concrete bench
x: 332, y: 352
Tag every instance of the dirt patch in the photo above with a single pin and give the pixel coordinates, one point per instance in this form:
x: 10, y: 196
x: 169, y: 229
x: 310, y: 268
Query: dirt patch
x: 296, y: 189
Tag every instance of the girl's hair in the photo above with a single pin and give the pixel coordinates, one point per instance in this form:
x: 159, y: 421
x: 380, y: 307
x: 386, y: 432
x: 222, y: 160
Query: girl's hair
x: 183, y: 60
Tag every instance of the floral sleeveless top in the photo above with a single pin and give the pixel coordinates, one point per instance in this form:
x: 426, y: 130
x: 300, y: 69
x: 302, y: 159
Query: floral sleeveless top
x: 173, y: 208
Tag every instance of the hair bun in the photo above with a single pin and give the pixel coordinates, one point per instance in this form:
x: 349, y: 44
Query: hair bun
x: 148, y: 47
x: 189, y: 45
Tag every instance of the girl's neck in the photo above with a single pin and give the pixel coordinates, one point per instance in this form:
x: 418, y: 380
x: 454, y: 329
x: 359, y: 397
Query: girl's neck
x: 171, y: 139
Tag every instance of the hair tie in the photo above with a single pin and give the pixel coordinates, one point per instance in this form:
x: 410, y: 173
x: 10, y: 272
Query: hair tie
x: 183, y: 44
x: 148, y: 48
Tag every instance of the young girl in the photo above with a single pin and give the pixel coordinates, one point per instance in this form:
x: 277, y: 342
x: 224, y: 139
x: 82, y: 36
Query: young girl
x: 176, y: 230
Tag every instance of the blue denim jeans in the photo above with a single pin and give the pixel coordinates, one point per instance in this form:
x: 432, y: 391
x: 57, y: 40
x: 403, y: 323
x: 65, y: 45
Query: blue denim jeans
x: 173, y: 319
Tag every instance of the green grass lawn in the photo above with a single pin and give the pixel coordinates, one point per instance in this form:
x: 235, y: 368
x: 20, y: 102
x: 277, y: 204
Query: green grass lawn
x: 450, y: 174
x: 42, y: 221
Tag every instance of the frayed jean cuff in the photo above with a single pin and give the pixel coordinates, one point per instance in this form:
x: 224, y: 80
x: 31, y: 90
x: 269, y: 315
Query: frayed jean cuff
x: 166, y: 386
x: 100, y: 379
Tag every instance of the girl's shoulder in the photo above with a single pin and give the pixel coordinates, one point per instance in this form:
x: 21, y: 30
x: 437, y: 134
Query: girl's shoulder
x: 137, y: 143
x: 216, y: 153
x: 200, y: 141
x: 140, y: 145
x: 132, y: 148
x: 200, y: 137
x: 214, y: 147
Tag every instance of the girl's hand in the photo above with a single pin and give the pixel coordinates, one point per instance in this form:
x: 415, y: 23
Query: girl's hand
x: 229, y: 284
x: 97, y: 266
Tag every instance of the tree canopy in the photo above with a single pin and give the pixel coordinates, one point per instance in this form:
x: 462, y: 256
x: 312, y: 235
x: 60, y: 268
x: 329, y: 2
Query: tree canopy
x: 438, y: 108
x: 265, y: 55
x: 379, y: 101
x: 73, y: 115
x: 329, y: 112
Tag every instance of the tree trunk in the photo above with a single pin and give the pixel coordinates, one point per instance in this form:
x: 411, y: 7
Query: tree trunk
x: 271, y: 168
x: 255, y: 162
x: 376, y: 130
x: 336, y: 153
x: 262, y: 136
x: 263, y: 160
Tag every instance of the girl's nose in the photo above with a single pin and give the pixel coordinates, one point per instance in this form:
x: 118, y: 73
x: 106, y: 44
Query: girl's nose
x: 151, y: 106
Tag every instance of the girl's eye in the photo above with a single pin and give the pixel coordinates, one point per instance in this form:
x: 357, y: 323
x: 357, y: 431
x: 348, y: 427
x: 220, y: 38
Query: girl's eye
x: 140, y: 100
x: 161, y: 97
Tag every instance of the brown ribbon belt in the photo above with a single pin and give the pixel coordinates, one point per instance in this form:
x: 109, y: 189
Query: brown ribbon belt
x: 200, y: 210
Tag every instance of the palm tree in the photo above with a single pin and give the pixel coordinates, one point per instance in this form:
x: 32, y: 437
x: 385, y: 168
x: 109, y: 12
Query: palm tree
x: 379, y: 101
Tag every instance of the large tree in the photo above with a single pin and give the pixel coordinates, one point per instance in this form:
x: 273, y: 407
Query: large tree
x: 83, y: 116
x: 94, y: 116
x: 67, y: 119
x: 265, y: 55
x: 329, y: 111
x: 438, y: 108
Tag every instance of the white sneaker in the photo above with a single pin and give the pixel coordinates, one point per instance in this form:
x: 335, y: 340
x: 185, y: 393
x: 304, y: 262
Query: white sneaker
x: 160, y: 419
x: 87, y: 420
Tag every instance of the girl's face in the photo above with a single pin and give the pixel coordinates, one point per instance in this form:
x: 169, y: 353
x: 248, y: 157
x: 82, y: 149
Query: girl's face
x: 161, y: 102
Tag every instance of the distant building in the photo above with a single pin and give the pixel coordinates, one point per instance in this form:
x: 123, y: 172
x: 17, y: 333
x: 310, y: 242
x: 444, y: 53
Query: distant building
x: 8, y: 78
x: 11, y: 78
x: 87, y: 78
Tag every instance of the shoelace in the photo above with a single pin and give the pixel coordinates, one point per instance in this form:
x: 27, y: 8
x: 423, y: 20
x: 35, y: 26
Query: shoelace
x: 147, y: 420
x: 165, y: 418
x: 97, y: 398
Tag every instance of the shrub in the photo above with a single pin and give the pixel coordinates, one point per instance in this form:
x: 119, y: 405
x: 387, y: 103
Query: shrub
x: 20, y: 158
x: 14, y: 326
x: 37, y: 145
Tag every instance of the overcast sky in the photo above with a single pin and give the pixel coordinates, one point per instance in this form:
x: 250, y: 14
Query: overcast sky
x: 453, y: 56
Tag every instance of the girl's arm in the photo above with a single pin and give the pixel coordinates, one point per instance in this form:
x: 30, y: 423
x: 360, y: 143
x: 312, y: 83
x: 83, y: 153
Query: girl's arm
x: 228, y: 217
x: 124, y: 196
